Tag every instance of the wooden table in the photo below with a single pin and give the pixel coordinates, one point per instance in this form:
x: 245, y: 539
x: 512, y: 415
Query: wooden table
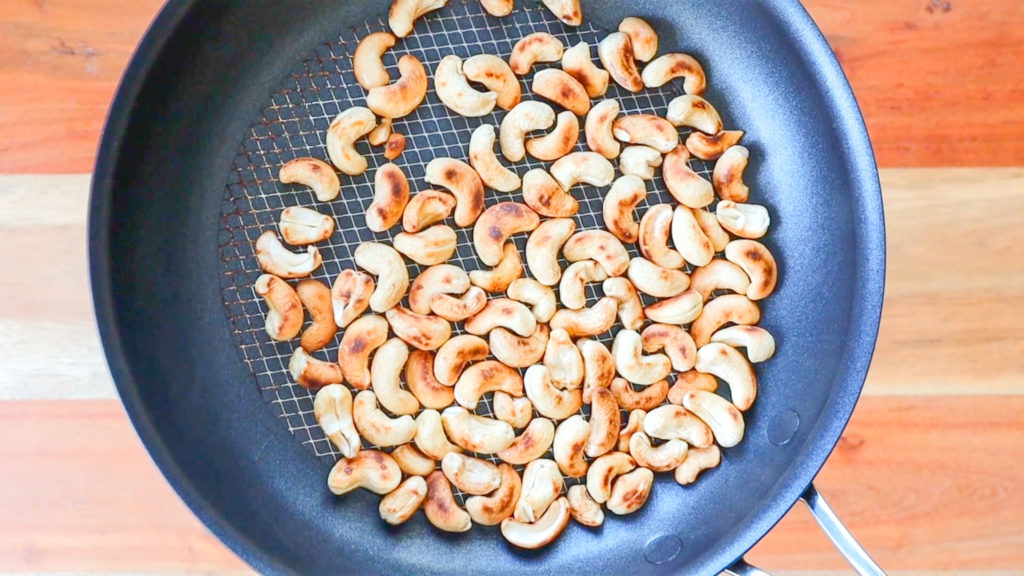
x: 929, y: 474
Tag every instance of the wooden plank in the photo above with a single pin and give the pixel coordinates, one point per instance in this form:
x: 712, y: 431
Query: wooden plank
x: 939, y: 87
x: 927, y: 483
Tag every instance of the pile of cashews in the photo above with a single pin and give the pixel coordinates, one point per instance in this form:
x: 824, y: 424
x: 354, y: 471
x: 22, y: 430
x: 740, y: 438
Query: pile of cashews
x: 427, y: 436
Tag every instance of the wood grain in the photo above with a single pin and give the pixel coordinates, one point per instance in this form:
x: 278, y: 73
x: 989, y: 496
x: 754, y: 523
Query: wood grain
x: 938, y: 86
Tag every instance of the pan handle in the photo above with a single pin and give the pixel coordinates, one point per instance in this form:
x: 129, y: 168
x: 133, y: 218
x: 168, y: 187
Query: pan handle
x: 836, y: 532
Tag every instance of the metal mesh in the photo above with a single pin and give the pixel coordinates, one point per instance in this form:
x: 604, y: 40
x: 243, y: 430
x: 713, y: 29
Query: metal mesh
x: 293, y: 124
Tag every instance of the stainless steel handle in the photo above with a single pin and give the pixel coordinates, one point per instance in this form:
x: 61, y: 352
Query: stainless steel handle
x: 836, y: 532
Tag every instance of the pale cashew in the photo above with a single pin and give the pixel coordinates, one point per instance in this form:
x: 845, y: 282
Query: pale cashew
x: 598, y: 245
x: 691, y: 380
x: 505, y: 313
x: 619, y: 204
x: 676, y: 342
x: 483, y: 377
x: 424, y: 331
x: 533, y: 48
x: 633, y: 365
x: 545, y: 196
x: 419, y: 377
x: 284, y: 309
x: 598, y: 367
x: 697, y: 461
x: 711, y: 147
x: 469, y: 474
x: 390, y: 196
x: 605, y: 422
x: 758, y: 342
x: 439, y: 279
x: 454, y: 91
x: 525, y: 117
x: 275, y: 259
x: 661, y: 458
x: 386, y: 379
x: 369, y: 469
x: 431, y: 246
x: 582, y: 167
x: 540, y: 533
x: 719, y: 275
x: 685, y: 185
x: 598, y: 128
x: 642, y: 37
x: 603, y: 472
x: 366, y: 62
x: 671, y: 422
x: 572, y: 287
x: 729, y: 364
x: 455, y: 355
x: 499, y: 9
x: 616, y: 54
x: 377, y: 427
x: 530, y: 291
x: 379, y: 135
x: 655, y: 230
x: 681, y: 309
x: 463, y: 182
x: 441, y: 508
x: 430, y: 436
x: 499, y: 278
x: 759, y: 265
x: 387, y: 265
x: 311, y: 372
x: 531, y: 444
x: 402, y: 503
x: 708, y: 223
x: 639, y: 161
x: 347, y: 127
x: 542, y: 249
x: 518, y: 351
x: 412, y: 461
x: 476, y: 433
x: 668, y: 67
x: 547, y: 399
x: 363, y: 336
x: 631, y: 308
x: 316, y: 297
x: 656, y: 281
x: 583, y: 508
x: 426, y: 208
x: 630, y: 491
x: 728, y: 174
x: 542, y: 484
x: 569, y: 444
x: 720, y: 311
x: 404, y: 13
x: 649, y: 398
x: 559, y: 87
x: 559, y: 141
x: 300, y: 226
x: 634, y: 424
x: 647, y: 130
x: 689, y: 238
x: 485, y: 161
x: 517, y: 412
x: 724, y: 419
x: 744, y: 220
x: 497, y: 76
x: 491, y: 510
x: 332, y: 408
x: 568, y: 11
x: 693, y: 111
x: 589, y: 321
x: 577, y: 63
x: 497, y: 224
x: 314, y: 173
x: 563, y: 361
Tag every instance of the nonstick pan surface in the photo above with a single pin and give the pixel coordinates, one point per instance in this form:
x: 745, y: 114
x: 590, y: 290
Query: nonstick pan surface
x: 221, y: 93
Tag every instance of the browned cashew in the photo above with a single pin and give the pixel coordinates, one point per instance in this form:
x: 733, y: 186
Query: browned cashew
x: 598, y: 367
x: 438, y: 279
x: 603, y: 472
x: 668, y: 67
x: 366, y: 62
x: 631, y: 308
x: 505, y: 313
x: 369, y: 469
x: 424, y: 331
x: 708, y: 222
x: 646, y: 130
x: 441, y: 508
x: 463, y: 182
x: 634, y: 424
x: 697, y: 460
x: 728, y: 174
x: 685, y: 185
x: 568, y: 11
x: 719, y: 275
x: 332, y: 408
x: 426, y: 208
x: 605, y: 422
x: 619, y: 204
x: 547, y: 399
x: 499, y: 278
x: 491, y: 510
x: 589, y: 321
x: 533, y: 48
x: 759, y: 265
x: 412, y: 461
x: 394, y: 146
x: 469, y: 474
x: 497, y: 76
x: 455, y: 355
x: 483, y: 377
x: 583, y: 508
x: 655, y: 231
x: 387, y: 265
x: 630, y: 491
x: 430, y: 436
x: 419, y: 377
x: 516, y: 412
x: 301, y: 226
x: 361, y: 338
x: 758, y: 342
x: 598, y: 128
x: 275, y: 259
x: 689, y: 238
x: 676, y: 342
x: 314, y: 173
x: 691, y: 380
x: 563, y: 361
x: 347, y: 127
x: 598, y: 245
x: 542, y: 485
x: 497, y: 224
x: 712, y: 147
x: 649, y: 398
x: 316, y: 297
x: 531, y: 444
x: 577, y: 63
x: 729, y: 365
x: 311, y: 372
x: 545, y: 195
x: 530, y: 291
x: 518, y: 351
x: 642, y: 37
x: 724, y: 419
x: 399, y: 99
x: 391, y: 194
x: 671, y: 422
x: 350, y: 296
x: 543, y: 246
x: 284, y: 309
x: 559, y: 87
x: 386, y: 378
x: 681, y: 309
x: 557, y: 143
x: 720, y: 311
x: 431, y: 246
x: 402, y: 503
x: 457, y: 309
x: 476, y: 433
x: 569, y: 444
x: 661, y: 458
x: 656, y: 281
x: 695, y: 112
x: 540, y: 533
x: 616, y: 54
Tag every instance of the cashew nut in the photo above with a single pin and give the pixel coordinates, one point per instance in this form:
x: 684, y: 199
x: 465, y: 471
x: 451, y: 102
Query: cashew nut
x: 631, y: 308
x: 655, y: 230
x: 542, y: 484
x: 563, y: 361
x: 540, y: 533
x: 758, y: 342
x: 454, y: 91
x: 499, y: 278
x: 404, y: 13
x: 497, y: 224
x: 729, y: 364
x: 394, y: 146
x: 711, y: 147
x: 483, y: 377
x: 505, y: 313
x: 463, y: 182
x: 431, y: 246
x: 542, y: 248
x: 476, y: 433
x: 533, y: 48
x: 661, y: 458
x: 332, y: 408
x: 531, y: 444
x: 491, y: 510
x: 708, y: 223
x: 347, y: 127
x: 366, y: 62
x: 379, y: 135
x: 685, y: 185
x: 545, y: 196
x: 363, y: 336
x: 605, y: 422
x: 681, y: 309
x: 616, y: 54
x: 498, y: 9
x: 631, y: 491
x: 634, y: 424
x: 676, y: 342
x: 386, y: 378
x: 603, y: 472
x: 598, y: 128
x: 311, y: 372
x: 412, y: 461
x: 598, y: 366
x: 668, y: 67
x: 728, y: 174
x: 623, y: 197
x: 419, y: 377
x: 518, y: 351
x: 300, y: 226
x: 642, y: 37
x: 589, y: 321
x: 314, y: 173
x: 569, y: 444
x: 640, y: 161
x: 441, y: 508
x: 530, y: 291
x: 647, y: 130
x: 649, y: 398
x: 559, y: 87
x: 568, y: 11
x: 377, y: 427
x: 724, y: 419
x: 391, y: 194
x: 572, y: 287
x: 496, y: 75
x: 671, y: 422
x: 517, y: 412
x: 583, y: 508
x: 439, y: 279
x: 586, y: 167
x: 691, y: 380
x: 424, y: 331
x: 469, y: 474
x: 284, y: 309
x: 697, y: 460
x: 695, y: 112
x: 523, y: 118
x: 719, y: 275
x: 759, y: 265
x: 455, y: 355
x: 598, y: 245
x: 387, y: 265
x: 718, y: 312
x: 402, y: 503
x: 369, y: 469
x: 689, y: 238
x: 630, y: 362
x: 275, y: 259
x: 656, y: 281
x: 316, y: 297
x: 547, y: 399
x: 744, y: 220
x: 426, y: 208
x: 559, y: 141
x: 577, y: 63
x: 485, y: 161
x: 430, y: 436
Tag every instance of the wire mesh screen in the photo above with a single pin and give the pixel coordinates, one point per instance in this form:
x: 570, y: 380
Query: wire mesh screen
x: 293, y: 124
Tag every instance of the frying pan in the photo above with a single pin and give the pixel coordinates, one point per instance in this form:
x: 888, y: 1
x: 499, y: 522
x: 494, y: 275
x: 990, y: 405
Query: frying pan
x: 221, y: 92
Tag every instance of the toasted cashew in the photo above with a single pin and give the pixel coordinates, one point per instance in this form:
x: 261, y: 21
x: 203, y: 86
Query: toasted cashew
x: 572, y: 287
x: 530, y: 291
x: 656, y: 281
x: 719, y: 275
x: 605, y: 422
x: 559, y: 87
x: 476, y: 433
x: 547, y: 399
x: 729, y: 364
x: 311, y: 372
x: 589, y: 321
x: 563, y: 361
x: 379, y: 135
x: 517, y: 412
x: 661, y: 458
x: 332, y: 408
x: 525, y: 117
x: 711, y: 147
x: 542, y: 484
x: 491, y: 510
x: 431, y: 246
x: 577, y: 63
x: 404, y: 13
x: 623, y: 197
x: 314, y: 173
x: 655, y: 230
x: 568, y: 11
x: 631, y: 362
x: 720, y: 311
x: 681, y: 309
x: 394, y: 146
x: 542, y: 249
x: 369, y: 469
x: 376, y: 426
x: 275, y: 259
x: 499, y: 9
x: 649, y: 398
x: 402, y: 503
x: 469, y: 474
x: 744, y: 220
x: 518, y: 351
x: 483, y: 377
x: 697, y: 460
x: 435, y: 280
x: 583, y: 508
x: 497, y: 224
x: 366, y: 62
x: 693, y: 111
x: 689, y: 238
x: 685, y: 185
x: 430, y: 436
x: 616, y: 54
x: 485, y: 161
x: 424, y: 331
x: 545, y: 196
x: 533, y: 48
x: 347, y: 127
x: 634, y: 424
x: 598, y: 367
x: 426, y: 208
x: 758, y: 342
x: 531, y: 444
x: 640, y: 161
x: 598, y: 245
x: 316, y: 297
x: 759, y: 265
x: 630, y: 491
x: 603, y: 472
x: 391, y: 194
x: 300, y: 226
x: 724, y: 419
x: 708, y: 223
x: 454, y: 91
x: 499, y: 278
x: 463, y: 182
x: 540, y: 533
x: 598, y: 128
x: 496, y: 75
x: 387, y: 265
x: 455, y: 355
x: 676, y: 342
x: 642, y: 36
x: 728, y: 174
x: 691, y: 380
x: 363, y: 336
x: 284, y: 309
x: 412, y: 461
x: 569, y: 444
x: 419, y: 377
x: 559, y: 141
x: 648, y: 130
x: 505, y: 313
x: 441, y: 508
x: 671, y: 422
x: 668, y: 67
x: 586, y: 167
x: 631, y: 308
